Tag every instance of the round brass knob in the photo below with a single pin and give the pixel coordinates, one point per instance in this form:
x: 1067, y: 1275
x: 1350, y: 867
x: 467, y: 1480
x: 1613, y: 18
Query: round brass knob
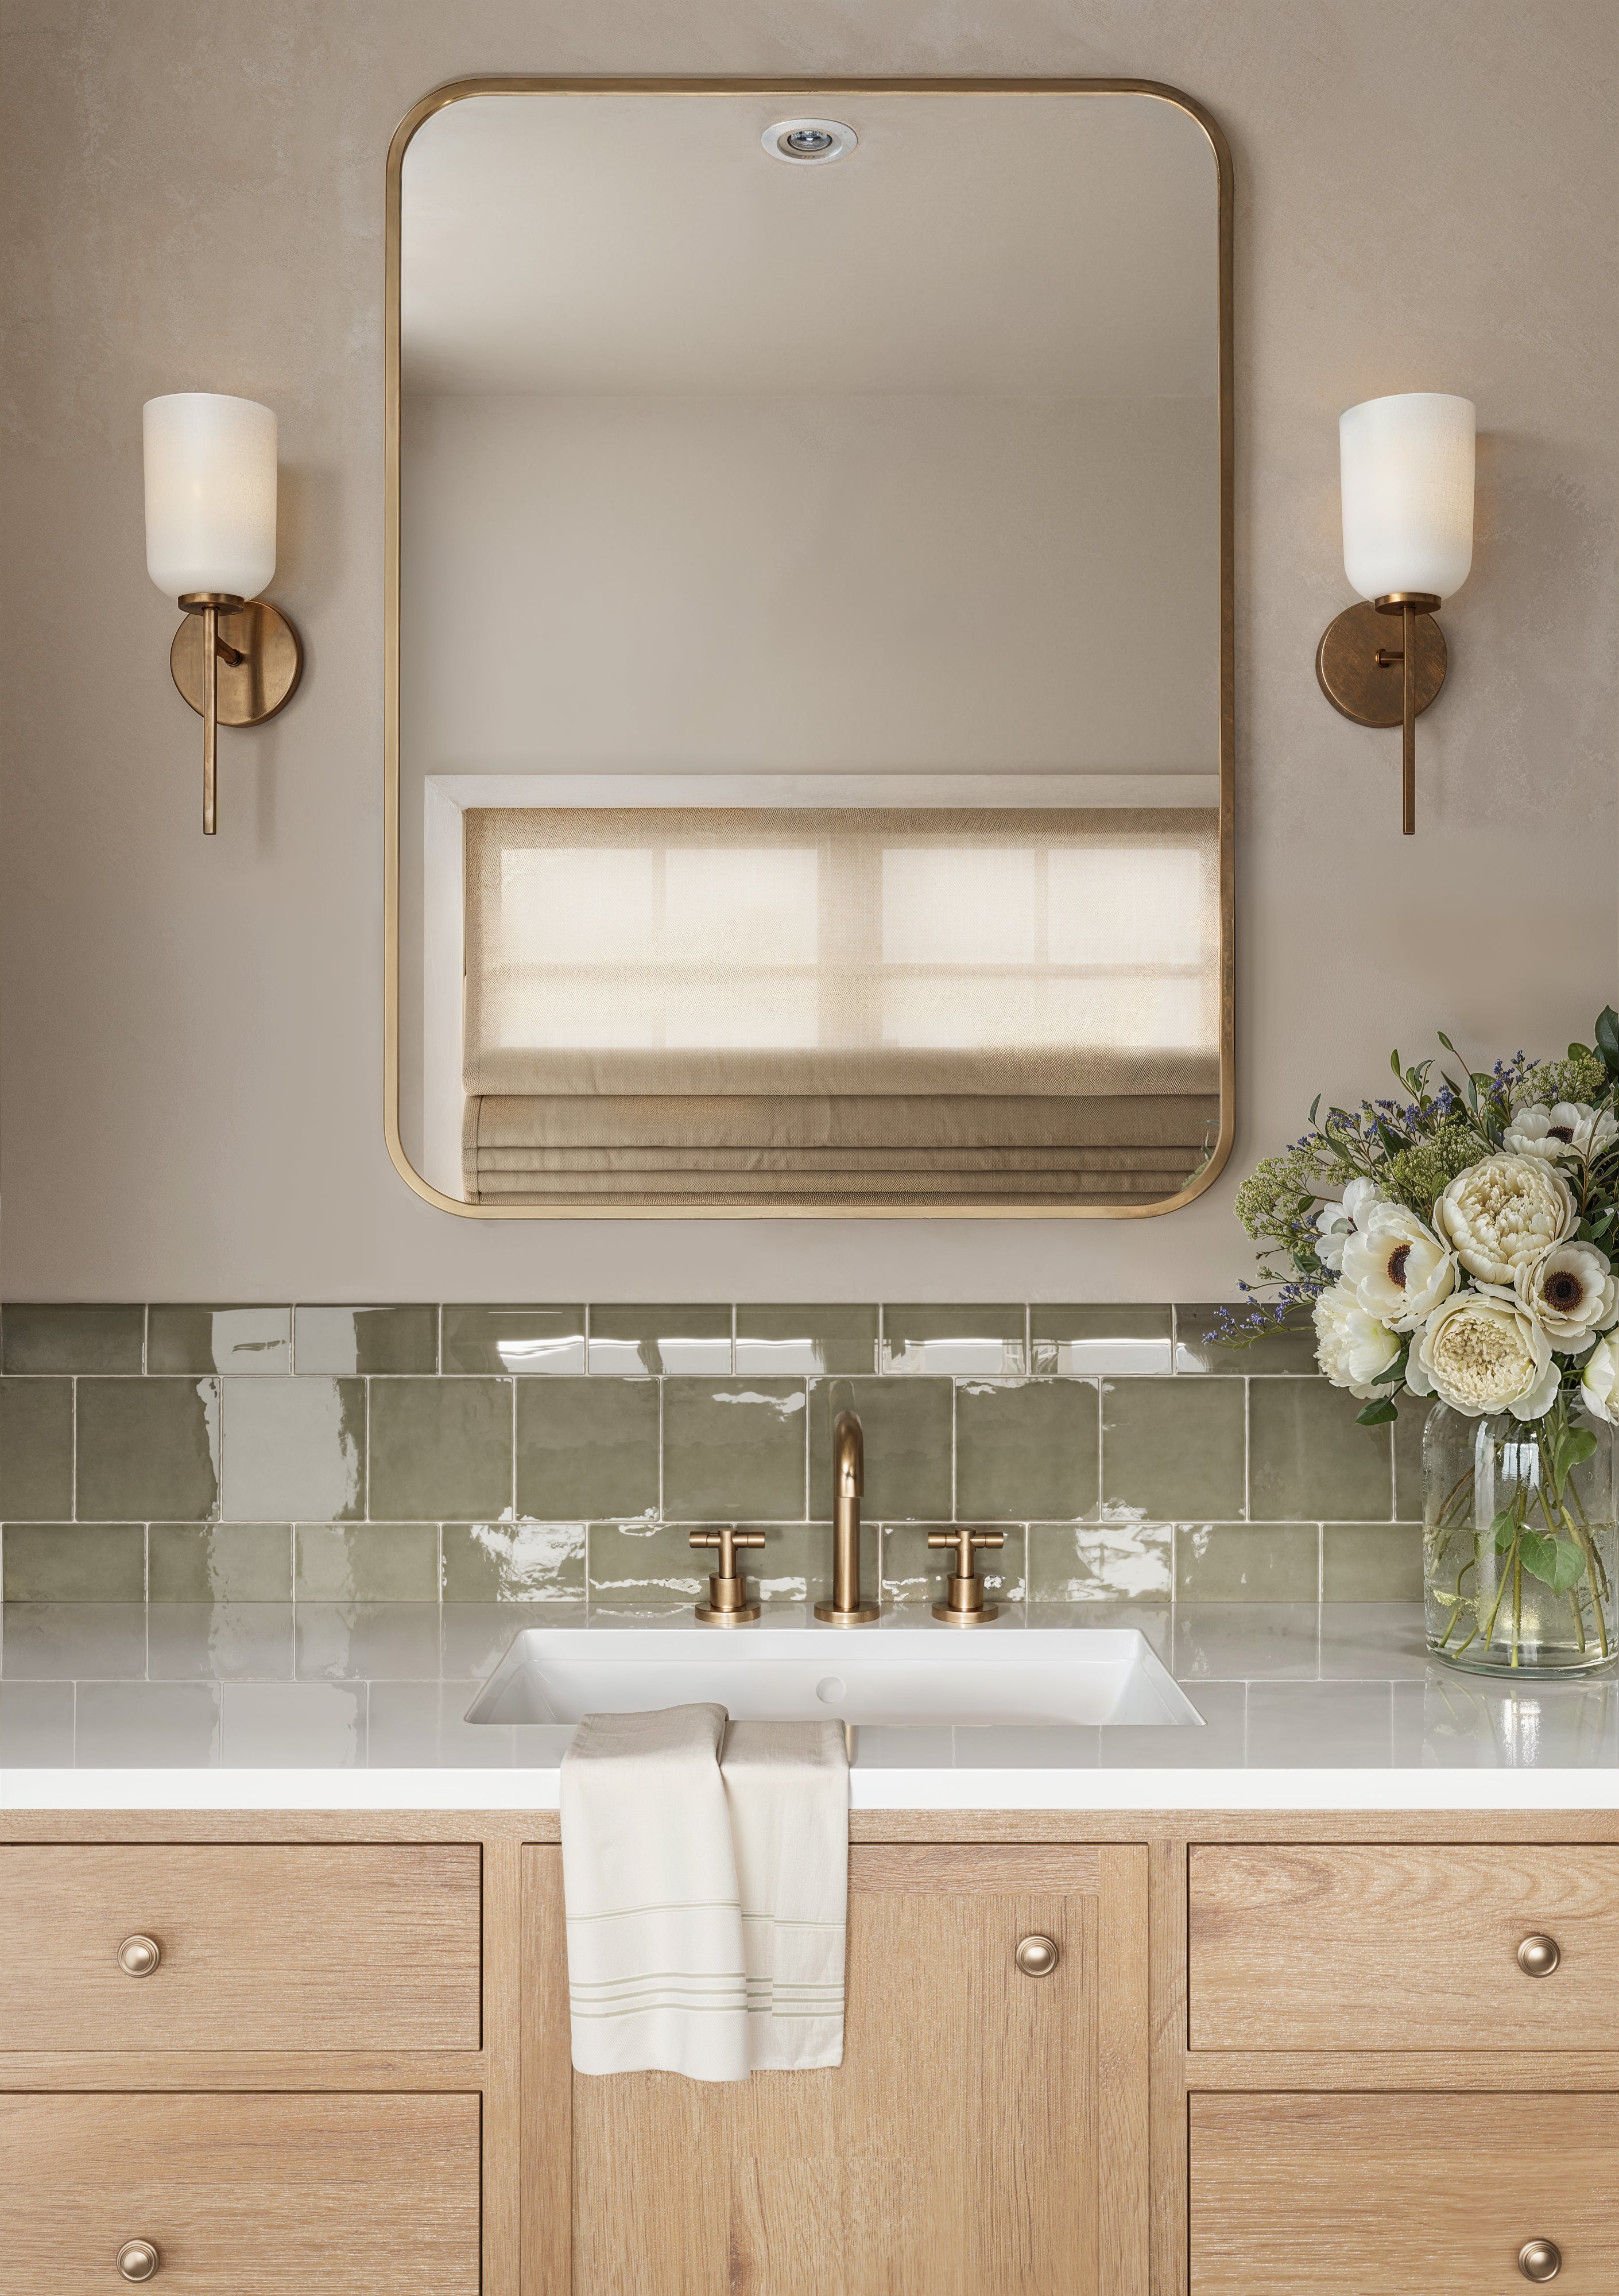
x: 1539, y: 2260
x: 138, y: 2260
x: 1036, y: 1957
x: 1538, y: 1957
x: 138, y: 1957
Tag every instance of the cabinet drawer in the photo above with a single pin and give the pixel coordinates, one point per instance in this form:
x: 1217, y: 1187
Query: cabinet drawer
x: 325, y: 2194
x: 1390, y: 2195
x: 263, y: 1947
x: 1402, y: 1947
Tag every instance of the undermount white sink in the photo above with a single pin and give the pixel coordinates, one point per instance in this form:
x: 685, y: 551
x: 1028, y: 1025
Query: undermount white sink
x: 905, y: 1669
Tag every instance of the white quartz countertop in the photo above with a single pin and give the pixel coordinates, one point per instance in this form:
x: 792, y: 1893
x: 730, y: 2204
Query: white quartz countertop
x: 316, y: 1706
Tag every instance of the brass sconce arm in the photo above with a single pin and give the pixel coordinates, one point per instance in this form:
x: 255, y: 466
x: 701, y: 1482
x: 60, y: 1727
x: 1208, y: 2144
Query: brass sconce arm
x: 1352, y: 666
x: 260, y: 656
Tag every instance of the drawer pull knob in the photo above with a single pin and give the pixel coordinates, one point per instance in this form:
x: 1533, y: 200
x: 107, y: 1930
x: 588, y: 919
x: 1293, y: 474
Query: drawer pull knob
x: 138, y: 2260
x: 1036, y: 1957
x: 1538, y: 1957
x: 138, y: 1957
x: 1539, y: 2260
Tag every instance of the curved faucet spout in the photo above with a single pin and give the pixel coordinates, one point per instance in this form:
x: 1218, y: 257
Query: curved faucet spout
x: 847, y: 1456
x: 846, y: 1609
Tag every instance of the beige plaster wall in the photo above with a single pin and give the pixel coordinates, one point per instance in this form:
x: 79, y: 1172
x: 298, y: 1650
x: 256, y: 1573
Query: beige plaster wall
x: 190, y: 1062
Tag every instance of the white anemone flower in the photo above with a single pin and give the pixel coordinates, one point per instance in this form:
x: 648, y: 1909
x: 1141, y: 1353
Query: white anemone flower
x: 1599, y: 1385
x: 1400, y: 1270
x: 1480, y: 1353
x: 1570, y: 1293
x: 1502, y: 1211
x: 1354, y: 1348
x: 1570, y: 1128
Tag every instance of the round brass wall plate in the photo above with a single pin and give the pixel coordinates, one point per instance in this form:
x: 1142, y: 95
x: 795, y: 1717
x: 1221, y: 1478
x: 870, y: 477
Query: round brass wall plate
x: 261, y: 683
x: 1350, y: 674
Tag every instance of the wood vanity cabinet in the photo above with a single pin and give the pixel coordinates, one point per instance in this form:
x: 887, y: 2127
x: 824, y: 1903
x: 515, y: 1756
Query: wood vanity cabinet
x: 986, y: 2134
x: 1301, y: 2056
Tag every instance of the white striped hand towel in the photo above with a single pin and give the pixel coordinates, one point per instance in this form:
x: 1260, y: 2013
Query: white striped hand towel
x: 706, y: 1905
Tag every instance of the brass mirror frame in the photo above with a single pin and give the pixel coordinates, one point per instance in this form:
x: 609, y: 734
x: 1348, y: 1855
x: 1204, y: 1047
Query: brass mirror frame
x: 458, y: 92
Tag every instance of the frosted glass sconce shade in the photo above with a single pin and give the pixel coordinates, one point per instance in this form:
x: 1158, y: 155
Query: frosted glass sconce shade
x: 210, y: 545
x: 1405, y: 472
x: 1406, y: 467
x: 210, y: 494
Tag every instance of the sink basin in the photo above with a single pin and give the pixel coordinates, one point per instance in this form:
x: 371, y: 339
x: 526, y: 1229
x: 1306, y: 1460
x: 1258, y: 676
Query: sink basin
x: 903, y: 1669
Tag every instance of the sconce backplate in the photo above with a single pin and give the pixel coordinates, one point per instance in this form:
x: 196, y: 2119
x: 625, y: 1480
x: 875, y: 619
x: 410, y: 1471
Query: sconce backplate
x: 1353, y: 680
x: 261, y: 683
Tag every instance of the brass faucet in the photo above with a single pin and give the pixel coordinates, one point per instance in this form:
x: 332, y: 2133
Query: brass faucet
x: 966, y: 1606
x: 848, y: 1486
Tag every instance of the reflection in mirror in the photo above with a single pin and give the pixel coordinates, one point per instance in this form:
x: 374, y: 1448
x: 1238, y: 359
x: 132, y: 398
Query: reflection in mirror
x: 813, y: 702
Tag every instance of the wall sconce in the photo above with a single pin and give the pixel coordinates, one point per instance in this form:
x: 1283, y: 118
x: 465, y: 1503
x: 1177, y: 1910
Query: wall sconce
x: 1406, y: 466
x: 210, y: 545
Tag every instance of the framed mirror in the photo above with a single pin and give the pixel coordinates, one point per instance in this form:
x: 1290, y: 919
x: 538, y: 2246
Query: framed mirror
x: 809, y: 650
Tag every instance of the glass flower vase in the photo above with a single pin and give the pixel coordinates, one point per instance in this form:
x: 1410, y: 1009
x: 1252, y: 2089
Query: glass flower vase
x: 1520, y: 1540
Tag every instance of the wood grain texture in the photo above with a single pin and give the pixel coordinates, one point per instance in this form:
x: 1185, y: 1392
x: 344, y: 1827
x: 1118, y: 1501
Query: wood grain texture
x: 1167, y: 1988
x: 1231, y: 2070
x: 1388, y: 2195
x: 1414, y: 1946
x: 973, y: 1869
x: 547, y: 2168
x: 265, y: 1946
x: 329, y: 2195
x: 986, y: 2135
x: 503, y: 2080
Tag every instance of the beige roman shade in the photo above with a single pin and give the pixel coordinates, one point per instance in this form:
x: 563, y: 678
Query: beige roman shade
x: 762, y: 1005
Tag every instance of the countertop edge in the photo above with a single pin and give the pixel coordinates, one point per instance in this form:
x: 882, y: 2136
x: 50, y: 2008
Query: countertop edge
x: 1147, y: 1790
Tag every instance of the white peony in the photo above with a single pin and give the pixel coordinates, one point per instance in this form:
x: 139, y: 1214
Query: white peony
x: 1354, y: 1348
x: 1570, y: 1293
x: 1400, y: 1269
x: 1568, y: 1129
x: 1600, y: 1384
x: 1480, y: 1354
x: 1503, y: 1212
x: 1336, y: 1223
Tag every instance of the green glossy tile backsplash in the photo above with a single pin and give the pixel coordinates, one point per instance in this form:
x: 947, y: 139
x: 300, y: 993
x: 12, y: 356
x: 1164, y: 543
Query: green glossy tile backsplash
x: 474, y: 1454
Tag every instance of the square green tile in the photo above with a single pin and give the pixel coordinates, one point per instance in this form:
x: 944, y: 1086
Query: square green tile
x: 219, y: 1562
x: 524, y: 1340
x: 1025, y: 1451
x: 1408, y: 1431
x: 913, y: 1572
x: 513, y: 1562
x: 806, y: 1341
x: 1371, y: 1562
x: 1127, y: 1340
x: 638, y: 1342
x: 71, y: 1337
x: 366, y: 1339
x: 148, y: 1450
x: 292, y: 1449
x: 1173, y: 1449
x: 587, y: 1449
x: 76, y: 1562
x: 366, y: 1563
x: 1248, y: 1562
x: 734, y: 1450
x: 37, y: 1449
x: 909, y: 1430
x: 441, y: 1450
x: 985, y: 1340
x: 1308, y: 1461
x: 1103, y: 1562
x: 184, y: 1338
x: 1292, y: 1350
x: 632, y: 1563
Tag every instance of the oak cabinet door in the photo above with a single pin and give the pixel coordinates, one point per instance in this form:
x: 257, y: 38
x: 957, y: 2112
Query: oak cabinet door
x: 329, y: 2195
x: 1402, y: 2196
x: 986, y: 2135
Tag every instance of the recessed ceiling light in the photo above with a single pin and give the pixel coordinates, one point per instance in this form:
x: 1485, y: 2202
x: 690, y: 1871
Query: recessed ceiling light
x: 808, y: 142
